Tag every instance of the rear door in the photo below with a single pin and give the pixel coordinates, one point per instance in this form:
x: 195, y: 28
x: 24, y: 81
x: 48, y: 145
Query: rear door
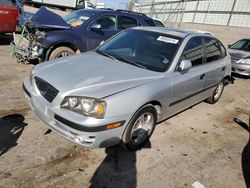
x: 215, y: 61
x: 188, y: 85
x: 108, y: 29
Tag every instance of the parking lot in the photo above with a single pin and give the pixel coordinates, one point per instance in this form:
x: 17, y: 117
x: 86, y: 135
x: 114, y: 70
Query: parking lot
x: 202, y: 144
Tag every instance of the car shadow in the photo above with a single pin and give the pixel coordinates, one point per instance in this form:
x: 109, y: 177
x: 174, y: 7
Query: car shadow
x: 6, y: 39
x: 118, y: 169
x: 11, y: 128
x: 245, y: 160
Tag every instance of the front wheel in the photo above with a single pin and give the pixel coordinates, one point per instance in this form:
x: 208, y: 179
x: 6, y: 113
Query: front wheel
x: 140, y: 128
x: 61, y: 52
x: 217, y: 93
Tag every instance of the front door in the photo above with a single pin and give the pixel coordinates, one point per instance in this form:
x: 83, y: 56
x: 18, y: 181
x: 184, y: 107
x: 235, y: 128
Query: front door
x: 108, y: 28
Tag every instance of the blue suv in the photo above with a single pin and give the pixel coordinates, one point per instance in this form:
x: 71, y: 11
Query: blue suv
x: 51, y: 36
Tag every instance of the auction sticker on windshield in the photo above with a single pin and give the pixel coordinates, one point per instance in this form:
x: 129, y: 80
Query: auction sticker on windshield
x: 167, y: 39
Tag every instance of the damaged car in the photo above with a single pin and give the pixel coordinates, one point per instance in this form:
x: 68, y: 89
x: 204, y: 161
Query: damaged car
x: 49, y: 36
x: 120, y: 91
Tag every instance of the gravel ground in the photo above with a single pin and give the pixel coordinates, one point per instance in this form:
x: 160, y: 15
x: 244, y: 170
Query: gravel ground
x: 201, y: 144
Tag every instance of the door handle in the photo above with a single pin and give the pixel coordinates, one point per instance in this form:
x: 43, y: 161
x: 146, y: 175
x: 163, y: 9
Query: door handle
x: 223, y: 68
x: 202, y: 76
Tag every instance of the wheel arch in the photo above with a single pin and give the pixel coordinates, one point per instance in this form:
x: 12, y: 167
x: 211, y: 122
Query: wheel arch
x: 156, y: 104
x: 70, y: 45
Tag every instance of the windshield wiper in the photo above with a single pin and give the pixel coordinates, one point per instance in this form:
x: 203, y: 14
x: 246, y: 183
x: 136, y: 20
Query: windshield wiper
x: 105, y: 54
x: 123, y: 59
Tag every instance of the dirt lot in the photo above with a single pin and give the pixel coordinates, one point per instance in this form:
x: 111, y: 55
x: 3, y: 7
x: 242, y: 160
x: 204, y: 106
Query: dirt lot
x: 200, y: 144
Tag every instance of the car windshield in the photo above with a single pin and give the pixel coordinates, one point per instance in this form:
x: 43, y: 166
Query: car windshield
x: 78, y: 17
x: 145, y: 49
x: 243, y: 44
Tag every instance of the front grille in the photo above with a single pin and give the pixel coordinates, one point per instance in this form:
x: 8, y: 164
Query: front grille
x: 46, y: 90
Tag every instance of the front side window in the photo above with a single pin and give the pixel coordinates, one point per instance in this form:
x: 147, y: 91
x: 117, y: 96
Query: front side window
x: 107, y: 22
x: 125, y: 22
x: 193, y: 51
x: 145, y: 49
x: 243, y: 44
x: 213, y: 49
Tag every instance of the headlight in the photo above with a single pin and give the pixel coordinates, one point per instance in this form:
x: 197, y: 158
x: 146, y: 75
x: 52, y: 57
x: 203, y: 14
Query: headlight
x: 85, y: 106
x: 244, y: 61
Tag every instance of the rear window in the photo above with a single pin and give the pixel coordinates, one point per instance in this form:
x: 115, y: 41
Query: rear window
x: 150, y: 22
x: 158, y: 23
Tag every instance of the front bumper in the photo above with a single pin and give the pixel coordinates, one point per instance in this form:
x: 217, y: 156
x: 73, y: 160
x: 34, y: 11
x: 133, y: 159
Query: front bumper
x: 242, y: 69
x: 85, y: 131
x: 25, y: 51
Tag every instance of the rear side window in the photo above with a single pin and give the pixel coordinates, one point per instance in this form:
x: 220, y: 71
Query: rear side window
x: 214, y: 49
x: 193, y: 51
x: 125, y: 22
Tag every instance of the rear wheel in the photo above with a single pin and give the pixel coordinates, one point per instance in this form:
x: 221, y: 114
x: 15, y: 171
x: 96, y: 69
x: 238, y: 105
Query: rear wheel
x: 216, y: 94
x: 140, y: 128
x: 61, y: 52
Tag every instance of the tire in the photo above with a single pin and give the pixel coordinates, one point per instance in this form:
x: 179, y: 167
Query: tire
x: 62, y: 51
x: 216, y: 94
x: 135, y: 137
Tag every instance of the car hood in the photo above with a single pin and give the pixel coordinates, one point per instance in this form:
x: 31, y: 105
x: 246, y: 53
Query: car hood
x: 238, y: 54
x: 44, y: 19
x: 93, y: 75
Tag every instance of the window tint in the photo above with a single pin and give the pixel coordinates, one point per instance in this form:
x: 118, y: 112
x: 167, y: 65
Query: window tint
x: 150, y: 22
x: 107, y: 22
x: 193, y: 51
x: 158, y: 23
x: 213, y: 50
x: 125, y: 22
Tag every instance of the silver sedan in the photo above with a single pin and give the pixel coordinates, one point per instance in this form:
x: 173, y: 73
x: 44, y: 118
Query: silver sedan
x: 240, y: 57
x: 120, y: 91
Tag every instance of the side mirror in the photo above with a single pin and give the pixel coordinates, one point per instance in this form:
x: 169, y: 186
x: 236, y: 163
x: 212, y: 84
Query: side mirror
x: 229, y: 46
x: 96, y: 27
x: 184, y: 65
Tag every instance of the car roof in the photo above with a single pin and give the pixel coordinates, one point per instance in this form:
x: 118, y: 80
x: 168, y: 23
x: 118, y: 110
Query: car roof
x: 182, y: 33
x: 112, y: 10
